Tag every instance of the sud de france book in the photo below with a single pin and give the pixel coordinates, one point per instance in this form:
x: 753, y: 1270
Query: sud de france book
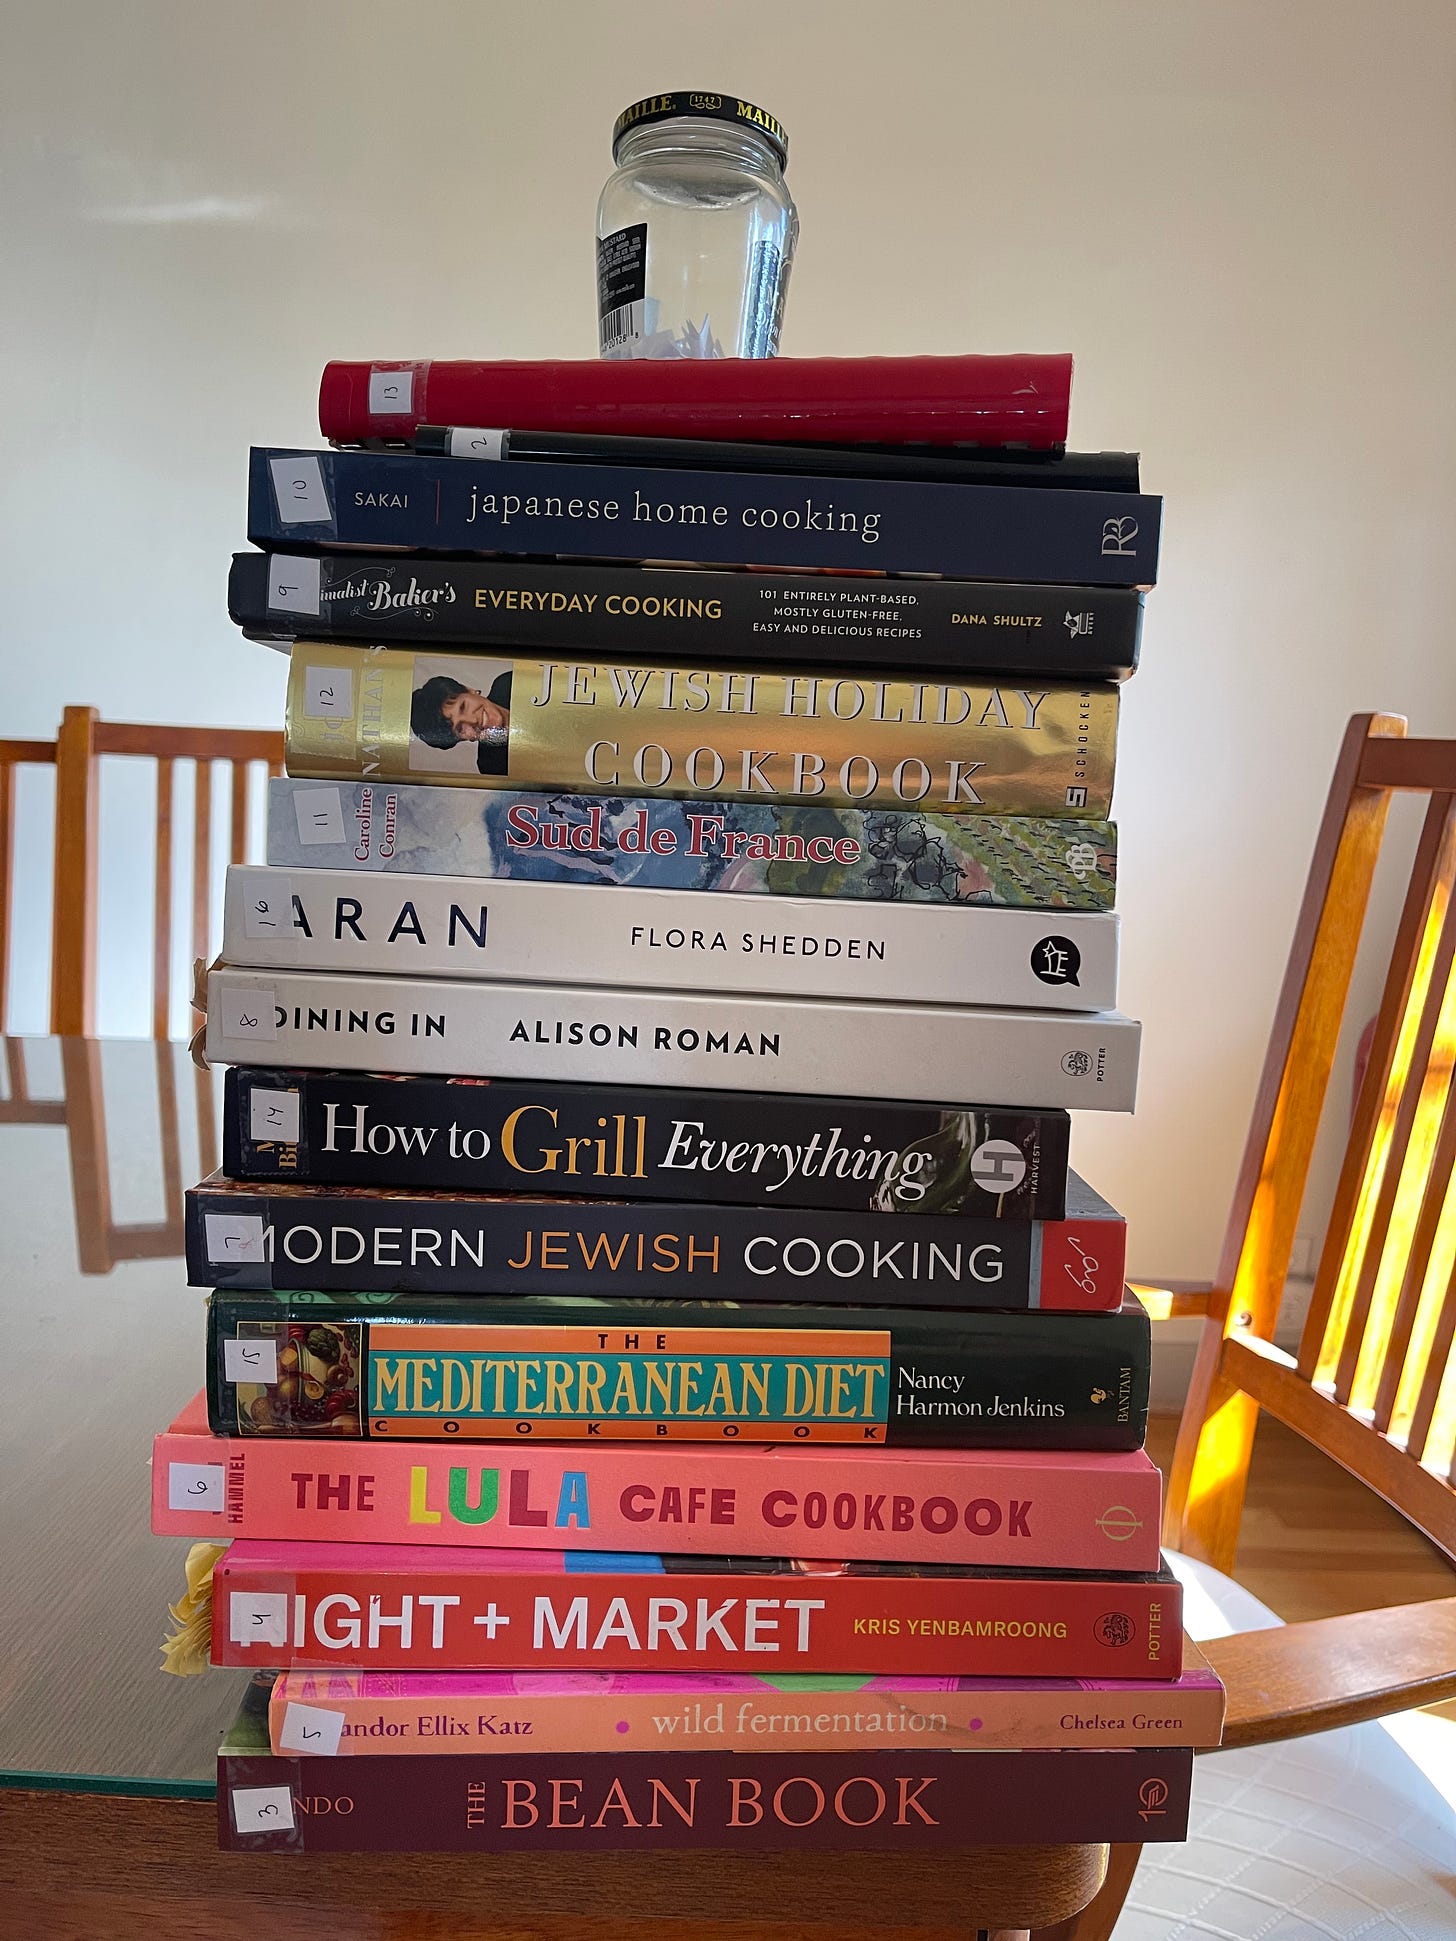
x: 454, y: 926
x: 602, y: 1035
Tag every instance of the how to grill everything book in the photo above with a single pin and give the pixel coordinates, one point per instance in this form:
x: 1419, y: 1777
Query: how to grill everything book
x: 353, y: 1714
x: 460, y: 926
x: 1081, y: 632
x: 608, y: 728
x: 659, y: 842
x: 1032, y: 1509
x: 303, y: 501
x: 642, y: 1371
x: 388, y: 1607
x: 291, y: 1237
x: 606, y: 1802
x: 1022, y: 1059
x: 619, y: 1142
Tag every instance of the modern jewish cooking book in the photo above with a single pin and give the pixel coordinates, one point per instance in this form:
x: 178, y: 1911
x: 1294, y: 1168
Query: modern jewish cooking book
x: 607, y: 1036
x: 658, y: 842
x: 293, y: 1237
x: 349, y: 1714
x: 615, y: 728
x: 392, y: 1607
x: 1034, y: 1509
x: 645, y: 1371
x: 457, y: 926
x: 643, y: 1143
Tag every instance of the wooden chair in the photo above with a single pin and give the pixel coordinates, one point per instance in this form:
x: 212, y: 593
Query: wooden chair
x: 83, y: 740
x: 1373, y: 1384
x: 14, y: 755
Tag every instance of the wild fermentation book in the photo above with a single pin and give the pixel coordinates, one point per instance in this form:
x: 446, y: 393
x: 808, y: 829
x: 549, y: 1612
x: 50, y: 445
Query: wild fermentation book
x: 353, y: 1714
x: 598, y: 1035
x: 1031, y: 1509
x: 306, y: 501
x: 659, y: 842
x: 458, y: 926
x: 393, y: 1607
x: 294, y: 1237
x: 654, y: 1143
x: 693, y: 1371
x: 611, y: 728
x: 1088, y: 633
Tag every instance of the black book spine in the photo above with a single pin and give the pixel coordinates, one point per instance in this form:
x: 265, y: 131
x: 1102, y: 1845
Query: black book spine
x: 621, y: 1142
x: 306, y: 501
x: 646, y: 1371
x: 746, y: 1801
x: 1074, y: 632
x: 351, y: 1239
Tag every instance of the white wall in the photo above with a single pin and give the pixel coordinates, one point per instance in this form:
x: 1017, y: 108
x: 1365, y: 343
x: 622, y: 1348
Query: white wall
x: 1239, y: 215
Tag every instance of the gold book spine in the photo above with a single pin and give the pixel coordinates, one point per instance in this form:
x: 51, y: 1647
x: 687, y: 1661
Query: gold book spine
x: 611, y: 727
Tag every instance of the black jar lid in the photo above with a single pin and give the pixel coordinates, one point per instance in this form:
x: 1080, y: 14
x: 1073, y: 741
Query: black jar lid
x: 703, y: 107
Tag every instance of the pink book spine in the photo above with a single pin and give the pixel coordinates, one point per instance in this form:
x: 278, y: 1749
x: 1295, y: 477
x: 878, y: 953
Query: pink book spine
x: 1037, y: 1510
x: 340, y: 1714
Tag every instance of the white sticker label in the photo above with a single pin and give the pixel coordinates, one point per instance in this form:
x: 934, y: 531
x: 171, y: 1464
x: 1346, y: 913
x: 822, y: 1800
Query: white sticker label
x: 391, y: 394
x: 258, y: 1617
x: 195, y: 1486
x: 468, y: 442
x: 298, y: 486
x: 253, y: 1360
x: 293, y: 584
x: 309, y: 1728
x: 234, y: 1236
x: 328, y: 690
x: 248, y: 1011
x: 268, y: 907
x: 320, y: 815
x: 273, y: 1115
x: 263, y: 1809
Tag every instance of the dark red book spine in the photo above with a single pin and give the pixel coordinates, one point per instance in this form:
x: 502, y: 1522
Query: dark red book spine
x: 544, y: 1803
x: 1020, y: 400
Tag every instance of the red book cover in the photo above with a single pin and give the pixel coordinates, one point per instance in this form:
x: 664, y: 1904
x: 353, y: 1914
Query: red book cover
x: 1038, y: 1509
x: 608, y: 1801
x: 1022, y: 399
x: 393, y: 1607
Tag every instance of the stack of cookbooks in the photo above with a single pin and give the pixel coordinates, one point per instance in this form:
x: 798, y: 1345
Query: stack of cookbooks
x: 651, y: 1042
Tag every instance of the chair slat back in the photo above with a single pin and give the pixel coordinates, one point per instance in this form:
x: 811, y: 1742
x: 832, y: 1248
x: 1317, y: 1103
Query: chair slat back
x: 84, y: 741
x: 14, y: 755
x: 1373, y: 1382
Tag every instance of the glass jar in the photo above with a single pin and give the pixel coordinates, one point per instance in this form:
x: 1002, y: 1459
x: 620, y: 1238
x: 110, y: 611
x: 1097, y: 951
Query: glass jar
x: 695, y: 230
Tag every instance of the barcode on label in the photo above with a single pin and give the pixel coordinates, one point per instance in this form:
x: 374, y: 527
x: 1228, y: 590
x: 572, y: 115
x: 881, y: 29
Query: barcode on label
x: 625, y: 325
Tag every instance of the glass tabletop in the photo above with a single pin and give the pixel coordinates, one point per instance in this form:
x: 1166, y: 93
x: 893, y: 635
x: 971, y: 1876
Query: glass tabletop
x: 102, y: 1346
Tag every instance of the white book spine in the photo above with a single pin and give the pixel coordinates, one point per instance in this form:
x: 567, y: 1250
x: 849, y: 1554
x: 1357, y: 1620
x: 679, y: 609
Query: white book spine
x: 457, y: 926
x: 602, y: 1035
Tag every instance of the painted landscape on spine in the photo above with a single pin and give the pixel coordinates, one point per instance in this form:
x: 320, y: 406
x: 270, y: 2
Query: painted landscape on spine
x: 400, y: 1714
x: 402, y: 501
x: 1067, y: 1510
x: 390, y: 1607
x: 639, y: 1142
x: 598, y: 1035
x: 642, y: 1371
x: 604, y: 727
x: 660, y: 842
x: 1085, y: 633
x: 288, y: 1236
x: 459, y: 926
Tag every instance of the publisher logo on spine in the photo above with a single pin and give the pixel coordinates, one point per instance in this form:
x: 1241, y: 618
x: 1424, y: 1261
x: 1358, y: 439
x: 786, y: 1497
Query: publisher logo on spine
x: 1056, y: 960
x: 1114, y: 1628
x: 997, y: 1166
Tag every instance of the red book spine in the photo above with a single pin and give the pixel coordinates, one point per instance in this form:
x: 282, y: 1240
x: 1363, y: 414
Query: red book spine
x: 607, y: 1801
x: 803, y: 400
x: 455, y: 1611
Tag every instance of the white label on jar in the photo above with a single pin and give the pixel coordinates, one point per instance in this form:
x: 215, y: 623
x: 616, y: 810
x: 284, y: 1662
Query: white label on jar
x: 391, y: 394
